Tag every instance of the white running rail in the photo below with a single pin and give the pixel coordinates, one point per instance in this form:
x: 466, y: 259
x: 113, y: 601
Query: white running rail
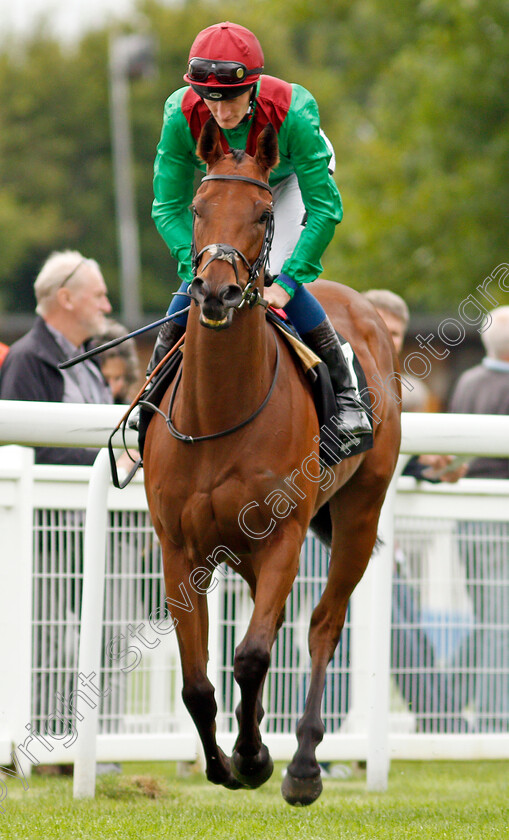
x: 31, y: 424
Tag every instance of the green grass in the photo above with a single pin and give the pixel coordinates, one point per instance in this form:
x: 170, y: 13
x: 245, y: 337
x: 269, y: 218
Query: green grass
x: 442, y: 800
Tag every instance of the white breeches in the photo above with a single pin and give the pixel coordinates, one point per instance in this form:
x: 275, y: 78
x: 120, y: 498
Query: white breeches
x: 289, y: 217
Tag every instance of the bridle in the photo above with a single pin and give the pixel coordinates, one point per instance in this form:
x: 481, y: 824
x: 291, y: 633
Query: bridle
x: 250, y: 295
x: 221, y: 251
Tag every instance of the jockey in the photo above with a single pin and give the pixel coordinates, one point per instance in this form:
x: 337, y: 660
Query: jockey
x: 224, y: 78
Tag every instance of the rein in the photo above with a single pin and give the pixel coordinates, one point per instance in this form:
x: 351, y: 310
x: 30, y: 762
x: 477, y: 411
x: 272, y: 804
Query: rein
x: 250, y: 295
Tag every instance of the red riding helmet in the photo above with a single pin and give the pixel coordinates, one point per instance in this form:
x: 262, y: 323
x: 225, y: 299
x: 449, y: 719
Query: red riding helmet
x: 224, y: 60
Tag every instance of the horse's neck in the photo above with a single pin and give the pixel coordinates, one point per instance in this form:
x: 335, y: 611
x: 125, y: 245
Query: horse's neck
x: 226, y: 374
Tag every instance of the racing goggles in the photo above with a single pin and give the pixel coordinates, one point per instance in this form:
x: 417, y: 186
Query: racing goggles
x: 226, y: 72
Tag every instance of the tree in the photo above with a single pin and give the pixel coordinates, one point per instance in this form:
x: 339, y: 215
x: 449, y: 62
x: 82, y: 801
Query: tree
x: 414, y: 97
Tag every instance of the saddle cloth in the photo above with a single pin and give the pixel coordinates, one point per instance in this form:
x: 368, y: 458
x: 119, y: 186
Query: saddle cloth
x: 332, y: 451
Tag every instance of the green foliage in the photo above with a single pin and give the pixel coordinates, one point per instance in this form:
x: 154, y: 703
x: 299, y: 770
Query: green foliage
x: 54, y: 164
x: 423, y: 160
x: 414, y: 97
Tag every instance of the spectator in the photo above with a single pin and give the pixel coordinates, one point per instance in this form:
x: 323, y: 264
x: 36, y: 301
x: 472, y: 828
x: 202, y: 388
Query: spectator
x: 425, y: 689
x: 72, y: 303
x: 484, y: 389
x: 394, y: 312
x: 119, y: 365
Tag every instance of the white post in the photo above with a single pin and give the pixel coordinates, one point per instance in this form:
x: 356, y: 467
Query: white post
x: 356, y: 721
x: 16, y: 527
x: 380, y: 644
x: 92, y: 608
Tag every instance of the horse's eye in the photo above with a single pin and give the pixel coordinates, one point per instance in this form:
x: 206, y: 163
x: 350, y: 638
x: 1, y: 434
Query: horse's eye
x: 263, y: 218
x: 195, y: 211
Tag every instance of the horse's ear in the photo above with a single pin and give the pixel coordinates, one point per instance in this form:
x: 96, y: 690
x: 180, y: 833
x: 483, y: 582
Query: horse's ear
x: 267, y: 153
x: 209, y: 147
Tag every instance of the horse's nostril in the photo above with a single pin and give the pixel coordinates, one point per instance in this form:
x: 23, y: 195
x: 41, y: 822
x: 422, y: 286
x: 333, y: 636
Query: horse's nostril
x: 231, y: 295
x: 199, y: 289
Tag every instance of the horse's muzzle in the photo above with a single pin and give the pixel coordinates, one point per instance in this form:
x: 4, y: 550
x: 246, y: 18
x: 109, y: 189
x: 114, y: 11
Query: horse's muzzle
x: 216, y: 309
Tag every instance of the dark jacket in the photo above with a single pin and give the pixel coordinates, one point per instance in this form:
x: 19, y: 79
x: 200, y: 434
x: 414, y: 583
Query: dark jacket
x: 30, y: 372
x: 482, y: 390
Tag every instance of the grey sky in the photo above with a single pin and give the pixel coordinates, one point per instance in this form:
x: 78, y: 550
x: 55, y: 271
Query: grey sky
x: 68, y: 18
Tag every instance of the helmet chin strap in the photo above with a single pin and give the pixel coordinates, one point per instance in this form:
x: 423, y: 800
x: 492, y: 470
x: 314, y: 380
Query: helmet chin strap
x: 249, y: 113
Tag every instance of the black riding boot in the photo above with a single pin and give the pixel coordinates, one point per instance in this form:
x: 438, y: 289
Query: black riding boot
x: 167, y: 336
x: 353, y: 419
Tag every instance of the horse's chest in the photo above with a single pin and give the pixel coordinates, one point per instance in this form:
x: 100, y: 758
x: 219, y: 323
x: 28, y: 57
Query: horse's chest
x: 212, y: 512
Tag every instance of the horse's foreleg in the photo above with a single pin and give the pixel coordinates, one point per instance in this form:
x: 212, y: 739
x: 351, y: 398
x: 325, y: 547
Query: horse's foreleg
x: 352, y: 545
x: 251, y: 762
x: 190, y: 615
x: 260, y: 712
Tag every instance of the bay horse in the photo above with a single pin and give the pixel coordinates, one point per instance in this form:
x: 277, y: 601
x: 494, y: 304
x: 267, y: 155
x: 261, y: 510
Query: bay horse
x: 239, y: 479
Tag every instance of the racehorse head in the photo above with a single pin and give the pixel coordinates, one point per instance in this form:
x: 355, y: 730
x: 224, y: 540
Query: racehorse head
x: 232, y: 225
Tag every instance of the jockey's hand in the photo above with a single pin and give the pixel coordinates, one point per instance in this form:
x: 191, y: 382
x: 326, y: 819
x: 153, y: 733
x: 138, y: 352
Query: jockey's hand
x: 276, y: 296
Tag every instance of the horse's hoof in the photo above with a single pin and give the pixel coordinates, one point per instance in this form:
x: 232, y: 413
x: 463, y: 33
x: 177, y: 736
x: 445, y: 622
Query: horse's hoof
x: 226, y: 780
x: 219, y: 772
x: 252, y: 771
x: 300, y: 792
x: 233, y: 784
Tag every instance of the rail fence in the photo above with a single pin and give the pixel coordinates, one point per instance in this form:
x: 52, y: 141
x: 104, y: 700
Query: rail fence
x: 421, y: 672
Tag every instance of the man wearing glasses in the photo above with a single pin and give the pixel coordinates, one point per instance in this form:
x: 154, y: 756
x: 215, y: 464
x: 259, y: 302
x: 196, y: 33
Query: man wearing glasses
x: 72, y: 305
x: 224, y: 79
